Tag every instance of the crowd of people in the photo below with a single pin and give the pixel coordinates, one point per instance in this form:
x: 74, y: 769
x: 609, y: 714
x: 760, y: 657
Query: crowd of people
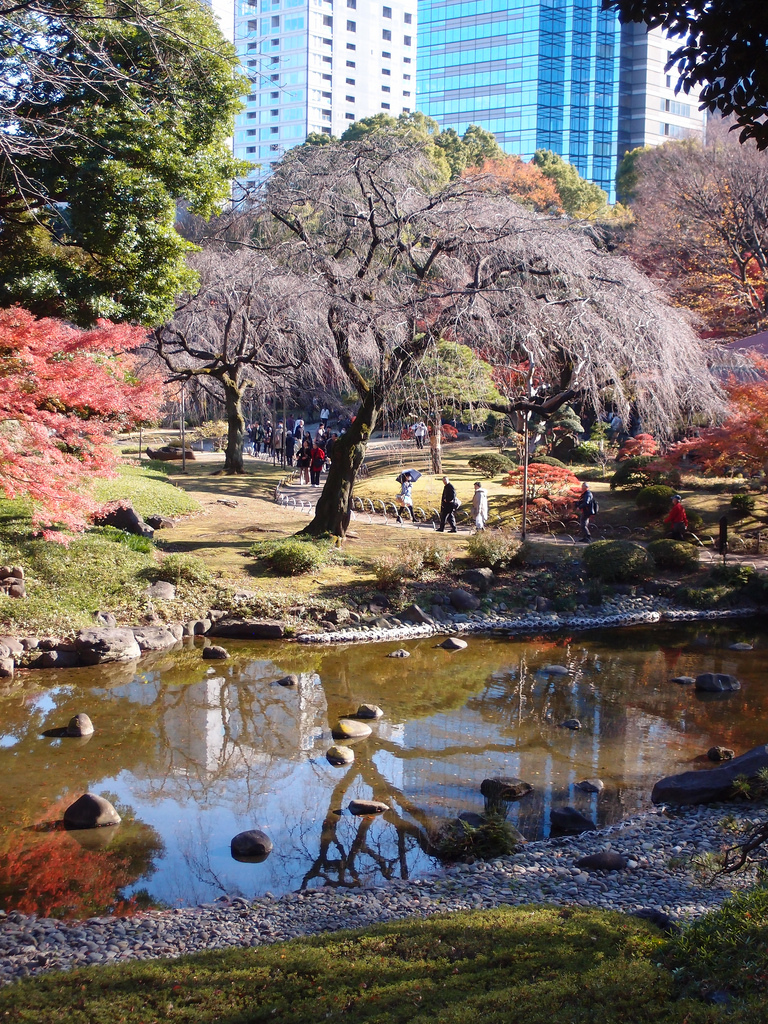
x: 293, y: 445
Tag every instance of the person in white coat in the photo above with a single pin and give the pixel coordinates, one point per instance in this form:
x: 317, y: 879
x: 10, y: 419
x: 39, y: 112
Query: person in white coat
x: 480, y: 506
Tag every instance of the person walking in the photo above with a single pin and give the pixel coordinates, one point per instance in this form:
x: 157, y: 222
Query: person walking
x: 325, y: 415
x: 405, y: 497
x: 316, y: 463
x: 676, y: 519
x: 420, y: 433
x: 480, y: 506
x: 290, y: 445
x: 587, y: 507
x: 303, y: 459
x: 449, y: 503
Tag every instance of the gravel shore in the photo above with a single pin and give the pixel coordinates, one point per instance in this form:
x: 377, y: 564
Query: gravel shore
x: 661, y: 847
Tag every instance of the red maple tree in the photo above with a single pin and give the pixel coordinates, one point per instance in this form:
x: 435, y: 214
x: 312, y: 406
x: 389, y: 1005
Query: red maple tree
x: 63, y: 391
x: 641, y: 444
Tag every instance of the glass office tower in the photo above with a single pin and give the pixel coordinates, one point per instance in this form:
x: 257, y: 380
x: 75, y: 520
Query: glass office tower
x: 539, y: 74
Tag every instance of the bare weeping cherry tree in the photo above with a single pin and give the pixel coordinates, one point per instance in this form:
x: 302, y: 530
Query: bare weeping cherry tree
x: 399, y: 263
x: 246, y: 327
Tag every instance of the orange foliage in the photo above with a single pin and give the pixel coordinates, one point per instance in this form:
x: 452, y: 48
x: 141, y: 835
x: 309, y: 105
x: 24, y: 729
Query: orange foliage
x: 742, y: 440
x: 521, y: 181
x: 546, y: 484
x: 642, y: 444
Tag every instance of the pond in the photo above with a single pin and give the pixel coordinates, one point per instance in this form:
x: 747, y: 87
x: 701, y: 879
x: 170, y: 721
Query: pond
x: 191, y: 754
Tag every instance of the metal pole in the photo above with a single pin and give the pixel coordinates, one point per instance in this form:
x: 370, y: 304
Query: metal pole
x: 525, y: 475
x: 758, y: 545
x: 183, y: 434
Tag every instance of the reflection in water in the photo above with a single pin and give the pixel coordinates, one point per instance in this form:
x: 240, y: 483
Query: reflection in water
x: 201, y: 753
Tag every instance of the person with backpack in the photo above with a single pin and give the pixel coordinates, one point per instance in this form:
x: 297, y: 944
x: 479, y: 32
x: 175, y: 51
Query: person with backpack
x: 587, y: 507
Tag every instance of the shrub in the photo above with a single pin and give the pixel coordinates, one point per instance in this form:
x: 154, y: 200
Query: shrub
x: 733, y: 575
x: 490, y: 464
x: 590, y: 473
x: 617, y: 561
x: 293, y: 556
x: 695, y: 521
x: 458, y: 840
x: 548, y: 460
x: 743, y: 504
x: 631, y: 475
x: 130, y: 540
x: 427, y: 554
x: 493, y: 550
x: 655, y: 499
x: 185, y: 569
x: 634, y: 447
x: 586, y: 453
x: 673, y: 554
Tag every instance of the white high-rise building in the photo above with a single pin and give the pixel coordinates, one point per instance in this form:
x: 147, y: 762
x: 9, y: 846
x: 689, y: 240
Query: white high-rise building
x: 650, y: 112
x: 316, y: 68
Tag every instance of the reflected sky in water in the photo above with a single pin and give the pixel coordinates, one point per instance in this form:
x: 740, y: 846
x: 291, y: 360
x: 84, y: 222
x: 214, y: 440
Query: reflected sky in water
x: 192, y: 754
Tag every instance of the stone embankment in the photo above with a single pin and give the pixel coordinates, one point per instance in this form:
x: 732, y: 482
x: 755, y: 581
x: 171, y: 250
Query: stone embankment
x: 660, y: 849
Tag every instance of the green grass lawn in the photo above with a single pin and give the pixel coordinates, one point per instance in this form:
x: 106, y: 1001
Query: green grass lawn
x: 149, y: 487
x: 528, y: 965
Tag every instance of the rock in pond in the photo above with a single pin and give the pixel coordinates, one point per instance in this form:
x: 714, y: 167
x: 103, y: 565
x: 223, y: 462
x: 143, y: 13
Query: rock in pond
x: 215, y: 653
x: 196, y: 627
x: 720, y: 754
x: 603, y: 860
x: 555, y: 670
x: 80, y: 725
x: 591, y: 785
x: 453, y: 643
x: 505, y: 788
x: 683, y: 680
x: 290, y: 680
x: 369, y: 711
x: 716, y: 682
x: 570, y: 723
x: 741, y: 647
x: 247, y: 629
x: 154, y: 638
x: 96, y: 646
x: 367, y: 807
x: 399, y: 653
x: 7, y: 668
x: 416, y: 616
x: 568, y: 819
x: 337, y: 754
x: 90, y: 811
x: 349, y: 729
x: 252, y: 846
x: 710, y: 784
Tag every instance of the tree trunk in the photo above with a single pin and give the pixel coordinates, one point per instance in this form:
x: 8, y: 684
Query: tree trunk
x: 233, y: 399
x: 333, y: 507
x: 436, y: 443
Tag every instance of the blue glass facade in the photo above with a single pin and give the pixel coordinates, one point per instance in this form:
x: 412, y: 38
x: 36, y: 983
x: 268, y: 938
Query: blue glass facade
x: 539, y: 74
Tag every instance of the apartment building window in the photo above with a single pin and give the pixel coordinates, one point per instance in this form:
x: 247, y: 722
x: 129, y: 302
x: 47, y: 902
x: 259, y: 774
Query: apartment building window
x: 325, y: 113
x: 350, y: 63
x: 327, y: 78
x: 407, y: 18
x: 350, y: 99
x: 386, y: 54
x: 251, y: 131
x: 406, y: 110
x: 274, y: 95
x: 326, y: 131
x: 273, y: 131
x: 274, y: 113
x: 276, y: 21
x: 385, y: 106
x: 386, y: 35
x: 350, y: 117
x: 406, y: 60
x: 406, y: 78
x: 386, y: 88
x: 274, y: 78
x: 328, y: 21
x: 351, y: 46
x: 350, y: 81
x: 327, y: 42
x: 386, y: 12
x: 386, y: 71
x: 406, y: 93
x: 325, y: 95
x: 669, y: 81
x: 251, y: 149
x: 351, y: 26
x: 352, y: 4
x: 406, y: 40
x: 327, y: 60
x: 274, y: 148
x: 251, y: 114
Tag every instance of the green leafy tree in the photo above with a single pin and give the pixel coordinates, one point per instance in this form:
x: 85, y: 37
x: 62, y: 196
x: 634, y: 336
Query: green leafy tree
x: 110, y: 112
x: 580, y: 198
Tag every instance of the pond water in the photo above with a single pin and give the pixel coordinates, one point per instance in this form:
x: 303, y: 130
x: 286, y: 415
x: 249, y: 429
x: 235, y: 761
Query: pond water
x: 192, y: 754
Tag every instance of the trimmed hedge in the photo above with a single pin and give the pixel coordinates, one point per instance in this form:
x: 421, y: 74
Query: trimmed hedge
x: 655, y: 499
x: 491, y: 464
x: 674, y: 554
x: 617, y: 561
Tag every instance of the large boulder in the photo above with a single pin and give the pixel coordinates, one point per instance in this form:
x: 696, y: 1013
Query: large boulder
x: 154, y: 638
x: 349, y: 729
x: 160, y: 522
x: 124, y: 517
x: 162, y: 590
x: 568, y: 819
x: 80, y: 725
x: 453, y: 643
x: 369, y: 711
x: 215, y: 653
x: 338, y: 755
x: 603, y: 860
x: 247, y: 629
x: 96, y: 646
x: 7, y: 668
x: 716, y: 682
x: 253, y: 845
x: 463, y: 601
x: 710, y: 784
x: 416, y: 616
x: 504, y: 788
x: 483, y: 579
x: 90, y: 811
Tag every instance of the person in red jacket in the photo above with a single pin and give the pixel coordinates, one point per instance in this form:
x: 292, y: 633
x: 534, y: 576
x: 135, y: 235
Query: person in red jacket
x: 677, y: 519
x: 316, y: 463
